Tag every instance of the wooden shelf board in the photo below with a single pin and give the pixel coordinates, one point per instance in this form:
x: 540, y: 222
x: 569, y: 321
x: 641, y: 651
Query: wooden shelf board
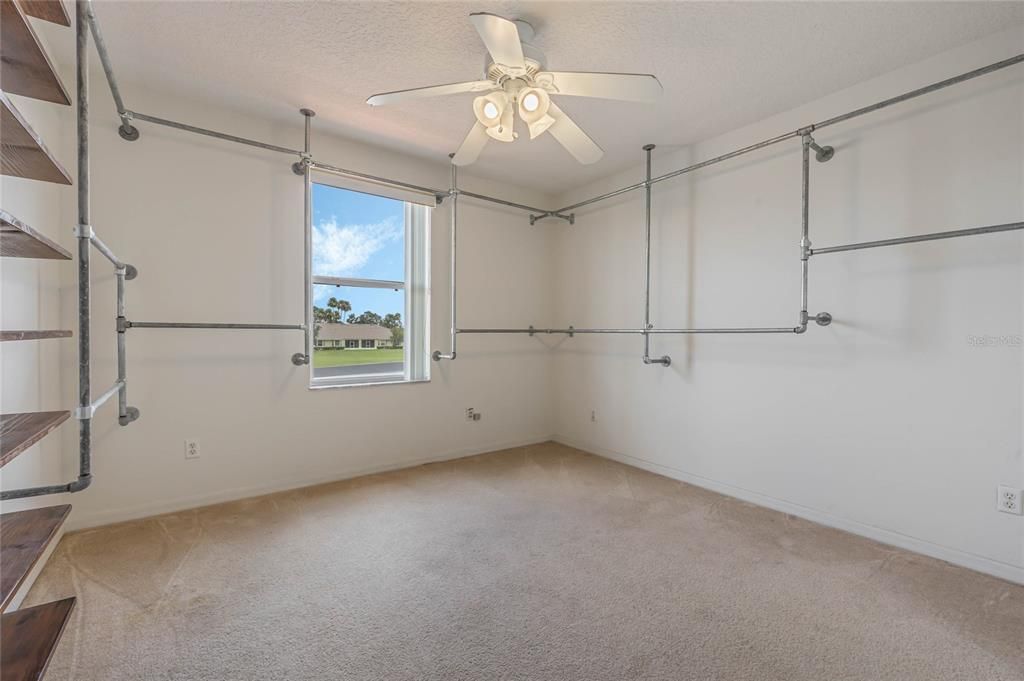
x: 25, y: 68
x: 29, y: 636
x: 18, y: 240
x: 18, y: 432
x: 53, y: 11
x: 24, y: 536
x: 22, y: 152
x: 41, y: 334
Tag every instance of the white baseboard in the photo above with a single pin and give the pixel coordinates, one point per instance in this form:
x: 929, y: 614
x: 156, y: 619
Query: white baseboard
x: 1013, y: 573
x: 117, y: 515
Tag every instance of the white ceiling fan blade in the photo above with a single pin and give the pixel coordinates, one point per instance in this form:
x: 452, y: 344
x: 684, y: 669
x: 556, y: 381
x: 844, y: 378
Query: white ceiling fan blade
x: 570, y: 136
x: 631, y: 87
x: 432, y: 91
x: 471, y: 147
x: 501, y: 38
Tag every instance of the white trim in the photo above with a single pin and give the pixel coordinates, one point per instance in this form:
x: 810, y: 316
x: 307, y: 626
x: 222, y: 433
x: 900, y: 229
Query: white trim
x: 81, y: 522
x: 388, y: 191
x: 367, y: 384
x: 1007, y: 571
x: 361, y: 379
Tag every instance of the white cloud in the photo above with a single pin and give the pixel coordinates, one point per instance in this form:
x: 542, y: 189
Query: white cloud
x: 342, y: 250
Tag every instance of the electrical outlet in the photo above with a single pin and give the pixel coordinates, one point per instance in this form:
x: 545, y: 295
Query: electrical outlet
x: 593, y: 416
x: 191, y: 449
x: 1009, y: 500
x: 473, y: 415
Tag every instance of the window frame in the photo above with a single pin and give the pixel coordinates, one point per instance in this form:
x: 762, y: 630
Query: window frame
x: 415, y: 284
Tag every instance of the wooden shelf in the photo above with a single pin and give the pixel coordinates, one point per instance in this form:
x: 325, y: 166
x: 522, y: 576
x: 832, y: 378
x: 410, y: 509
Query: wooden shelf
x: 22, y: 153
x: 25, y: 68
x: 18, y: 432
x: 29, y: 636
x: 47, y: 10
x: 34, y: 335
x: 18, y: 240
x: 24, y: 536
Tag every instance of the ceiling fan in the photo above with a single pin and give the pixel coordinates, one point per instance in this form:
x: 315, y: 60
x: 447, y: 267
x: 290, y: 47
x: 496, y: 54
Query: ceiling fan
x: 515, y: 80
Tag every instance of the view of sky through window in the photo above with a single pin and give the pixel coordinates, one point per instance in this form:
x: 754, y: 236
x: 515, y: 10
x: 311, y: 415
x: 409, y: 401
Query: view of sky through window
x: 358, y: 235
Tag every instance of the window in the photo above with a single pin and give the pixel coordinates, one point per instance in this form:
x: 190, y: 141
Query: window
x: 370, y: 287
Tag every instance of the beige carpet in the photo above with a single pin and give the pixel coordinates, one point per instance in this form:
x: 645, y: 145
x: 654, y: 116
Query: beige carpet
x: 534, y: 563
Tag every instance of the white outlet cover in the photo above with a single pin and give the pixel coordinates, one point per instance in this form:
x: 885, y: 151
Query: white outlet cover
x: 1009, y: 500
x: 192, y: 449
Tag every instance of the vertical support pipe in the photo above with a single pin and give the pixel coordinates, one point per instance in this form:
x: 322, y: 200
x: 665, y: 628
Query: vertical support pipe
x: 122, y: 364
x: 664, y: 360
x: 453, y: 290
x: 125, y: 414
x: 805, y: 241
x: 300, y: 358
x: 84, y: 232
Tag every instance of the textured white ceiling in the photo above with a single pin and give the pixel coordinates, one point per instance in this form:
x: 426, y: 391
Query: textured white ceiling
x: 723, y: 64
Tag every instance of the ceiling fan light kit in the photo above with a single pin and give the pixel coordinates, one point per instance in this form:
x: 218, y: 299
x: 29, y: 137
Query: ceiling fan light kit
x: 516, y: 81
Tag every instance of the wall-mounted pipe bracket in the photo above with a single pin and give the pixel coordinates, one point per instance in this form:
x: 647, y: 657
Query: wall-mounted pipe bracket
x: 572, y: 331
x: 299, y: 167
x: 126, y: 130
x: 568, y: 217
x: 300, y: 359
x: 821, y: 319
x: 132, y: 414
x: 532, y: 330
x: 821, y: 154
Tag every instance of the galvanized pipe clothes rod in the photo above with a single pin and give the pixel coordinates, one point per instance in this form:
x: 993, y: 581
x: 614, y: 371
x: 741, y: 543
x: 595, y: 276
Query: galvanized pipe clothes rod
x: 665, y: 332
x: 934, y: 236
x: 202, y: 325
x: 807, y: 129
x: 135, y: 115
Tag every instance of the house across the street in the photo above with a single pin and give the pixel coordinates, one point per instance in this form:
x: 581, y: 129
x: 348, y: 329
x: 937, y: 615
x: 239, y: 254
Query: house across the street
x: 353, y: 336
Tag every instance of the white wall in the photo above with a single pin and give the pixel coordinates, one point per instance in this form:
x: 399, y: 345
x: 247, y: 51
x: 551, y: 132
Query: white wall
x: 888, y: 423
x: 215, y: 230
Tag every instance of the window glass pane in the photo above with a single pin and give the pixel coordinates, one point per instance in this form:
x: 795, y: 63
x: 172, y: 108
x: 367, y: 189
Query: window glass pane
x: 357, y: 235
x: 358, y: 332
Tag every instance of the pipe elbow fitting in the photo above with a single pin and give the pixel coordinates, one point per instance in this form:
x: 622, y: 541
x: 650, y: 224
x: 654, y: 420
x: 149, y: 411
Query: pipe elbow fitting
x: 83, y: 482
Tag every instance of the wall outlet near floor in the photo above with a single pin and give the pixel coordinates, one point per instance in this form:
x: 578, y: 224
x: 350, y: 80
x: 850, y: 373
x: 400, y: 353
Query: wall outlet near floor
x: 1009, y: 500
x: 191, y: 449
x: 473, y: 415
x: 593, y: 416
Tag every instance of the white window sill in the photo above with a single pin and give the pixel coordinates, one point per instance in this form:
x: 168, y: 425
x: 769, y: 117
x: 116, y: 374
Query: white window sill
x: 326, y: 384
